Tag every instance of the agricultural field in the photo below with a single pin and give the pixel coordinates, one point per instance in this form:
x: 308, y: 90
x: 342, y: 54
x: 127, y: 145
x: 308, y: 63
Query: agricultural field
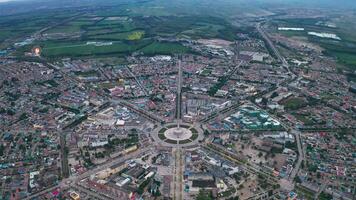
x: 77, y: 49
x: 121, y: 35
x: 14, y: 28
x: 134, y: 35
x: 130, y: 27
x: 344, y: 49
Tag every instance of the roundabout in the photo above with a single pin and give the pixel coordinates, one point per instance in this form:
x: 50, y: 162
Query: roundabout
x: 178, y: 134
x: 175, y: 135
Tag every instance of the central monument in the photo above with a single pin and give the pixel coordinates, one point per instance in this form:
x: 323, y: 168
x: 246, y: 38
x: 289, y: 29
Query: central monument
x: 179, y: 95
x: 178, y: 133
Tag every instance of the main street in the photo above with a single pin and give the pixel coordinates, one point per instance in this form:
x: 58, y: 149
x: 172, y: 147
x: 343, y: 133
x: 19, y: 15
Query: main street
x: 178, y: 174
x: 75, y: 179
x: 274, y: 48
x: 293, y: 130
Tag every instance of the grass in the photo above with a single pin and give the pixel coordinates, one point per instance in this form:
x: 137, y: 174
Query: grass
x: 305, y: 192
x: 162, y: 130
x: 162, y: 137
x: 171, y: 141
x: 294, y: 103
x: 184, y: 141
x: 344, y: 51
x: 194, y: 136
x: 77, y: 49
x: 193, y: 130
x: 293, y: 33
x: 347, y: 59
x: 164, y: 48
x: 137, y: 35
x: 305, y: 119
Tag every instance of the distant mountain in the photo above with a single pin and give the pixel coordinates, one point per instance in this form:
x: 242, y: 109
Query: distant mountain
x: 8, y: 7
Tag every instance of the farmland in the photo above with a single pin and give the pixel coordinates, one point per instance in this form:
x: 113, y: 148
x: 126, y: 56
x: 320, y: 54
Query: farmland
x: 343, y: 50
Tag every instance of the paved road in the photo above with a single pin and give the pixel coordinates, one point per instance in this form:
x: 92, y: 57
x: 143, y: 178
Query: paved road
x: 91, y: 193
x: 64, y: 154
x: 213, y: 115
x: 274, y: 49
x: 137, y: 81
x: 71, y: 181
x: 110, y: 163
x: 296, y: 134
x: 148, y: 115
x: 42, y: 192
x: 179, y: 93
x: 178, y: 174
x: 247, y: 166
x: 300, y: 155
x: 321, y: 189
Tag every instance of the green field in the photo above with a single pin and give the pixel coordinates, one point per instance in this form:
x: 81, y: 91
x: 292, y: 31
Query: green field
x: 132, y: 27
x: 164, y: 48
x: 77, y: 49
x: 134, y: 35
x: 294, y: 103
x: 81, y: 49
x: 344, y: 51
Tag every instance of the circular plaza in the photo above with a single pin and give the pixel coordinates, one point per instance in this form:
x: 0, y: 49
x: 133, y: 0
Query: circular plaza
x: 174, y: 135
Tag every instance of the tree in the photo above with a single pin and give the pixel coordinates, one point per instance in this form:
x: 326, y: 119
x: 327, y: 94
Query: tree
x: 318, y: 175
x: 264, y: 101
x: 2, y: 148
x: 297, y: 179
x: 274, y: 94
x: 324, y: 196
x: 204, y: 195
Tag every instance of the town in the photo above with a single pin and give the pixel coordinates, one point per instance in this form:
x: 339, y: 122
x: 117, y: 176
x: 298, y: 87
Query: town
x: 261, y: 116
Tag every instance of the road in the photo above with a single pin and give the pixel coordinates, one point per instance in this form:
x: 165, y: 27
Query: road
x: 64, y: 154
x: 274, y: 48
x: 91, y: 193
x: 215, y: 114
x: 42, y: 192
x: 296, y: 134
x: 110, y: 163
x: 179, y: 93
x: 293, y: 130
x: 178, y: 174
x: 148, y: 115
x: 137, y: 81
x: 247, y: 166
x: 321, y: 189
x: 300, y: 155
x: 73, y: 180
x: 233, y: 106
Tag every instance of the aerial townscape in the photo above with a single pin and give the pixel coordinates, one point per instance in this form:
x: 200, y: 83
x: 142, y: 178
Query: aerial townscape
x: 177, y: 100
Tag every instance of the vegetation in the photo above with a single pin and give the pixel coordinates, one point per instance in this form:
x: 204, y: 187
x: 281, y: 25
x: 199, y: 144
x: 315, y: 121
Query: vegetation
x: 137, y: 35
x: 162, y: 130
x: 221, y: 82
x: 325, y: 196
x: 184, y: 141
x: 194, y: 136
x: 294, y: 103
x: 204, y: 195
x: 164, y: 48
x: 344, y: 50
x: 162, y: 137
x: 143, y: 185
